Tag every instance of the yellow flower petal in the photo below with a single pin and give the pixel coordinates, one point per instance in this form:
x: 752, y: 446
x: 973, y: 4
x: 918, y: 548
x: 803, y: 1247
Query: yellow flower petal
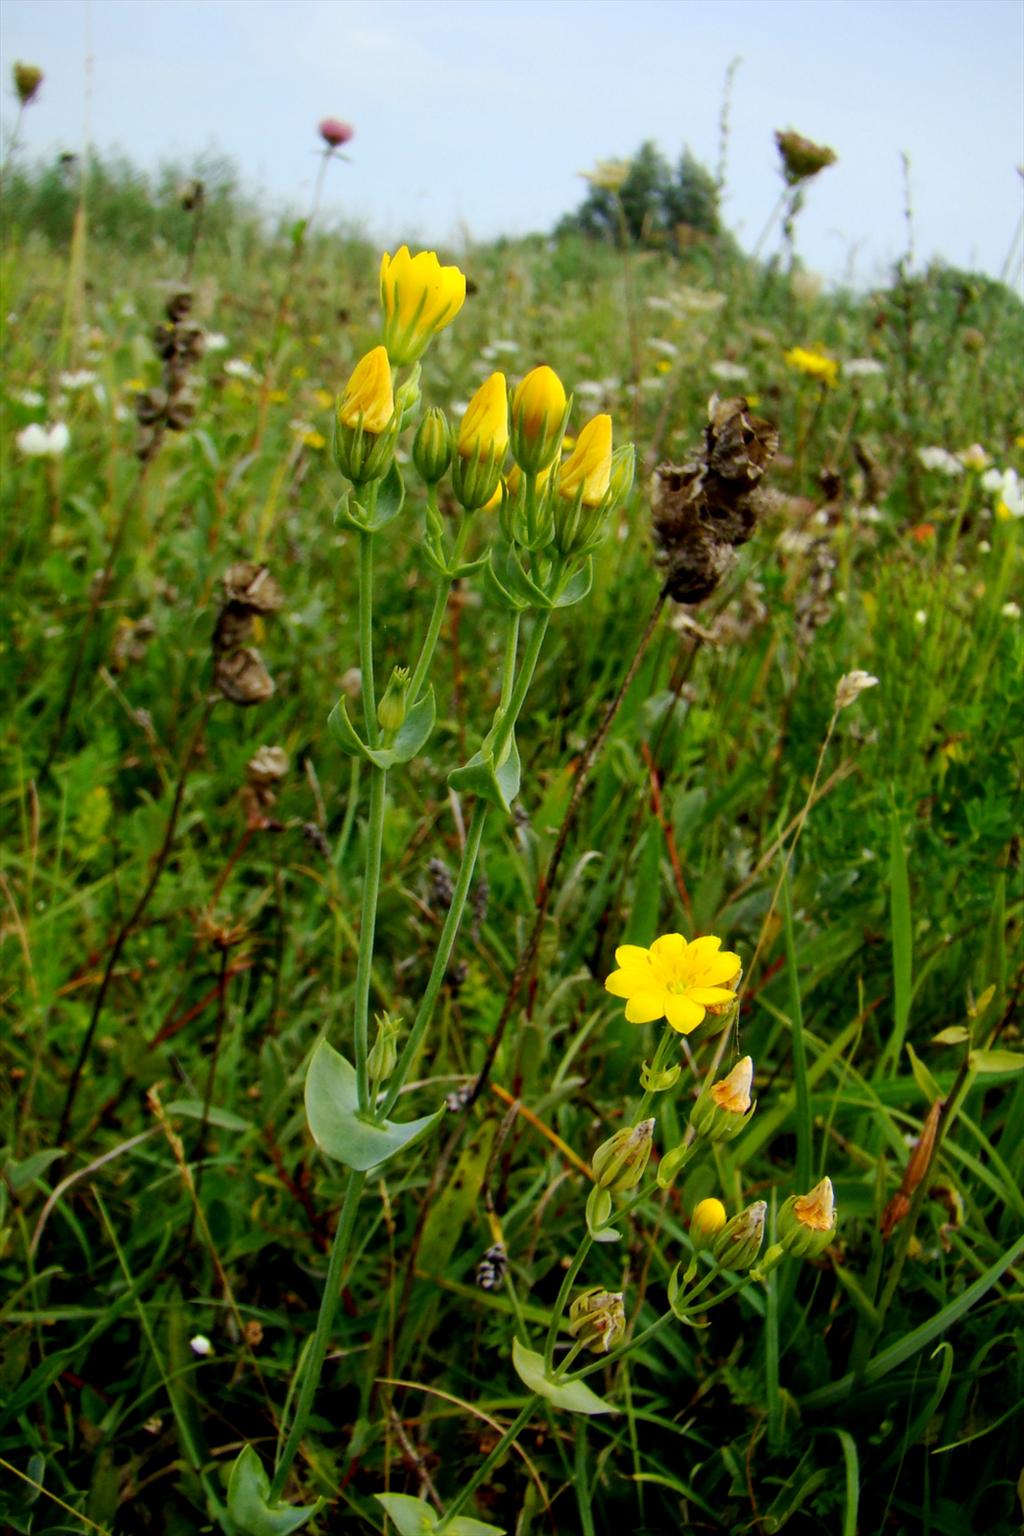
x: 644, y: 1007
x: 702, y: 949
x: 709, y: 997
x: 669, y: 947
x: 631, y: 956
x: 682, y: 1013
x: 625, y: 983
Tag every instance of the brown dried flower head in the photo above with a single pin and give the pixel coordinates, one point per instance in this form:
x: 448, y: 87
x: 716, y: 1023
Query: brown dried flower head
x: 251, y: 584
x: 242, y: 677
x: 268, y: 766
x: 704, y: 509
x: 27, y: 80
x: 802, y: 158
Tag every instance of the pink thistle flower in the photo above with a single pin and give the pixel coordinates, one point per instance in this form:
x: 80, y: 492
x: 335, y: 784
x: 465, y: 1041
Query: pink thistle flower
x: 334, y: 132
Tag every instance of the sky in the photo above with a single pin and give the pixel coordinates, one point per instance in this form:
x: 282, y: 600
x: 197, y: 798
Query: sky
x: 477, y: 116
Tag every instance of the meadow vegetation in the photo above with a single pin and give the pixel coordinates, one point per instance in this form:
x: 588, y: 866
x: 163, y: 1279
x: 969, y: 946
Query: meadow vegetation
x: 206, y: 888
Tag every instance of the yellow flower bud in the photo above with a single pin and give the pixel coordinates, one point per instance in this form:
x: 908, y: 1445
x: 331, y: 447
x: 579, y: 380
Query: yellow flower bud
x: 391, y: 709
x: 481, y: 444
x: 369, y: 400
x: 589, y: 466
x: 484, y: 428
x: 739, y: 1242
x: 420, y: 297
x: 432, y: 446
x: 707, y: 1221
x: 539, y: 411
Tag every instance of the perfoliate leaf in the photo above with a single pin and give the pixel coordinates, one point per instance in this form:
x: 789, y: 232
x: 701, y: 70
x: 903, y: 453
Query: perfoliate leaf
x: 390, y: 496
x: 350, y: 741
x: 414, y: 732
x: 337, y: 1124
x: 574, y: 1396
x: 996, y: 1061
x: 413, y: 1517
x: 481, y: 776
x: 576, y: 588
x: 249, y: 1501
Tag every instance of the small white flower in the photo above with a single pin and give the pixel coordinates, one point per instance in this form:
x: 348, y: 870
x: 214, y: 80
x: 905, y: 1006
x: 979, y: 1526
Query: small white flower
x: 1010, y: 495
x: 863, y: 368
x: 1010, y: 610
x: 200, y: 1345
x: 39, y: 442
x: 80, y: 379
x: 941, y: 459
x: 851, y: 684
x: 727, y: 371
x: 984, y: 547
x: 920, y: 617
x: 238, y: 368
x: 215, y: 341
x: 992, y: 479
x: 871, y: 514
x: 664, y: 346
x: 30, y: 398
x: 974, y: 457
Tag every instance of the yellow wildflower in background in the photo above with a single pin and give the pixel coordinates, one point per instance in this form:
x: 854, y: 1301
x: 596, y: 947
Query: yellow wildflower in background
x: 590, y: 463
x: 369, y: 400
x: 420, y: 297
x: 674, y: 980
x: 816, y: 364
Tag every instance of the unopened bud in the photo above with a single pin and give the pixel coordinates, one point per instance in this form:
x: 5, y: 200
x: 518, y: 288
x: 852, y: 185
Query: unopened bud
x: 383, y: 1053
x: 707, y: 1221
x: 27, y: 80
x: 391, y: 709
x: 619, y: 1162
x: 807, y: 1223
x: 598, y: 1319
x: 739, y: 1242
x: 432, y: 446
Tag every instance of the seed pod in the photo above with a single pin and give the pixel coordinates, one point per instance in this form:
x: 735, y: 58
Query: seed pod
x: 150, y: 406
x: 242, y: 678
x: 181, y: 411
x: 252, y: 585
x: 179, y: 304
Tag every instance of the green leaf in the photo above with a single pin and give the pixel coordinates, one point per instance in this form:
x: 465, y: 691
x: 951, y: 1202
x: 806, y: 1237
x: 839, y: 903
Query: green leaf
x: 996, y: 1061
x: 390, y: 496
x: 498, y: 784
x: 193, y: 1110
x: 414, y: 732
x: 350, y: 741
x: 599, y: 1212
x: 922, y: 1077
x: 414, y: 1517
x: 956, y: 1034
x: 513, y: 581
x: 249, y: 1501
x: 902, y: 938
x: 337, y: 1124
x: 298, y: 231
x: 20, y: 1175
x: 577, y: 587
x: 575, y: 1396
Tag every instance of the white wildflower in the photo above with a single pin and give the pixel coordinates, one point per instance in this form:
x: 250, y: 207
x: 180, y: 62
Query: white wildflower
x: 200, y: 1345
x: 1010, y: 610
x: 80, y: 379
x: 941, y: 459
x: 727, y: 371
x: 30, y: 398
x: 920, y: 617
x: 215, y: 341
x: 238, y: 368
x: 39, y: 442
x: 863, y: 368
x: 851, y: 684
x: 974, y: 457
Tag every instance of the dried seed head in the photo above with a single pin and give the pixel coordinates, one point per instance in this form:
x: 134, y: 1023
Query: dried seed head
x: 242, y: 678
x: 179, y: 304
x: 251, y: 584
x: 268, y: 766
x: 233, y: 628
x: 27, y: 80
x: 191, y: 195
x: 181, y: 410
x: 802, y: 158
x: 150, y: 406
x: 704, y: 509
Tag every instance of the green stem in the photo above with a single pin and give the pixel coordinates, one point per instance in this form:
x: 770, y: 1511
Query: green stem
x: 322, y: 1337
x: 465, y: 1494
x: 367, y: 927
x: 586, y: 1242
x: 444, y: 587
x: 445, y: 944
x: 658, y: 1065
x: 508, y: 669
x: 366, y: 635
x: 510, y: 714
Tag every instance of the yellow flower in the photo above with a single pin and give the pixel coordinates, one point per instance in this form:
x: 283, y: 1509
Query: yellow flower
x: 514, y: 478
x: 673, y: 979
x: 538, y: 419
x: 314, y: 440
x: 816, y: 364
x: 369, y: 400
x: 484, y: 429
x: 323, y: 398
x: 590, y: 463
x: 817, y: 1210
x: 420, y: 297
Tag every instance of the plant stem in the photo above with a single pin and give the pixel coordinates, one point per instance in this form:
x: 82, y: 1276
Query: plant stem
x: 465, y: 1494
x: 586, y: 1243
x: 366, y: 635
x: 510, y: 714
x: 445, y: 945
x: 314, y: 1362
x: 367, y: 928
x: 441, y: 595
x: 508, y: 667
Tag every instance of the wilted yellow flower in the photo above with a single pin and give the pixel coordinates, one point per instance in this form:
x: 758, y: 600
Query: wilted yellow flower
x: 484, y: 429
x: 369, y: 400
x: 608, y: 175
x: 817, y: 1210
x: 807, y: 1223
x: 673, y: 979
x: 538, y: 419
x: 733, y: 1092
x: 420, y: 297
x: 816, y: 364
x: 590, y: 464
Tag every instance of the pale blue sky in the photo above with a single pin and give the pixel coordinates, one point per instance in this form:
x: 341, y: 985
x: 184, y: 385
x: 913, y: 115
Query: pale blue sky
x: 479, y: 113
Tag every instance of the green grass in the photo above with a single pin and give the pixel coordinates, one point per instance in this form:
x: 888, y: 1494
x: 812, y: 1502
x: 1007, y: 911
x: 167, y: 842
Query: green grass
x: 873, y: 1389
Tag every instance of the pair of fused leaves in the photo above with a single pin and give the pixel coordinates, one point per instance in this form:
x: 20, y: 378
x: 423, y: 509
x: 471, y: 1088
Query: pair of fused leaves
x: 492, y: 779
x: 386, y: 507
x: 414, y: 1517
x: 515, y: 588
x: 337, y: 1124
x: 573, y: 1396
x: 249, y: 1504
x: 409, y: 740
x: 599, y: 1214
